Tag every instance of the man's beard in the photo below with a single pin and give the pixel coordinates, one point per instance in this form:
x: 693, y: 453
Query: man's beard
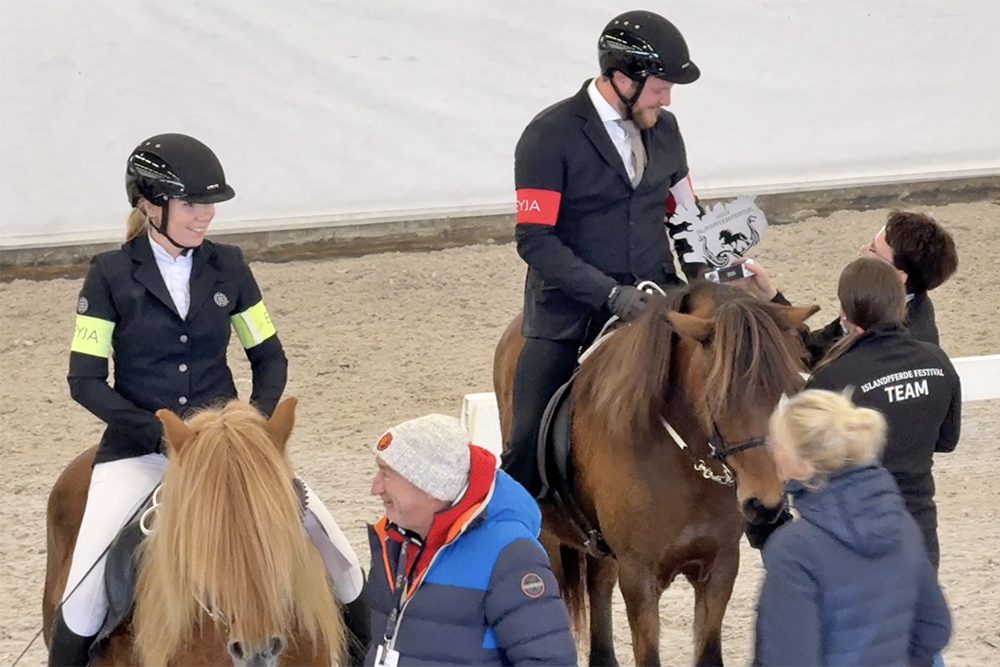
x: 645, y: 118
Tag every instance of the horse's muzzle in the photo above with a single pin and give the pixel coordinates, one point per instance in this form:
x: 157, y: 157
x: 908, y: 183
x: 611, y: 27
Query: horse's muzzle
x: 758, y: 513
x: 265, y: 657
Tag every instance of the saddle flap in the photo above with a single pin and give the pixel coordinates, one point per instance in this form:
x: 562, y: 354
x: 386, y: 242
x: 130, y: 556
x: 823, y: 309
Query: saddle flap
x: 554, y: 442
x: 121, y: 572
x: 556, y: 468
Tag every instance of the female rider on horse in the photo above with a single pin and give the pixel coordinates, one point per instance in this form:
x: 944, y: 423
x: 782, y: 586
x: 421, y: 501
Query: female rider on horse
x: 163, y: 303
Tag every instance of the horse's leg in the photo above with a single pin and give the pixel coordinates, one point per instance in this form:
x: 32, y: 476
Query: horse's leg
x: 641, y: 590
x: 711, y: 595
x: 602, y: 574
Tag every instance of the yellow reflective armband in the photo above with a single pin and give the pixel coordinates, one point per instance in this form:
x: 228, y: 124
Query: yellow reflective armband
x: 93, y: 336
x: 253, y: 325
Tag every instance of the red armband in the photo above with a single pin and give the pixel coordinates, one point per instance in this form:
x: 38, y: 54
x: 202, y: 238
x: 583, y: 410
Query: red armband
x: 538, y: 207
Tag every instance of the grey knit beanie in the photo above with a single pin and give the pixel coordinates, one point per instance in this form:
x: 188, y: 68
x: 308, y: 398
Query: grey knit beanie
x: 431, y: 452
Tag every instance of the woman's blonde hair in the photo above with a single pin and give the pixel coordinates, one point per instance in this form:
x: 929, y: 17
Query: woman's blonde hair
x: 138, y: 221
x: 827, y: 430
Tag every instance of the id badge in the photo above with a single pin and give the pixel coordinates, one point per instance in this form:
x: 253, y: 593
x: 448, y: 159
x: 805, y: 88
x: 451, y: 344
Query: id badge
x: 386, y: 657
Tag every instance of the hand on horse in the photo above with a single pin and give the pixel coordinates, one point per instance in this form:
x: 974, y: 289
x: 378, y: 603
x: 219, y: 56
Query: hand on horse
x: 626, y: 302
x: 759, y: 284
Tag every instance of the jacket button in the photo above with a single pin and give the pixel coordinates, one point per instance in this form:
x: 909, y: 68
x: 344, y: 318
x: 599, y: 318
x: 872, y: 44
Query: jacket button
x: 182, y: 368
x: 184, y: 338
x: 183, y: 400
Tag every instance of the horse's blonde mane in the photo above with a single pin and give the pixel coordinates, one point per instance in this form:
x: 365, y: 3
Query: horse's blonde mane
x: 229, y: 532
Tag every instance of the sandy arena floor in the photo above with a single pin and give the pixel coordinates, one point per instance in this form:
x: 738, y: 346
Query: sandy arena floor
x: 378, y: 339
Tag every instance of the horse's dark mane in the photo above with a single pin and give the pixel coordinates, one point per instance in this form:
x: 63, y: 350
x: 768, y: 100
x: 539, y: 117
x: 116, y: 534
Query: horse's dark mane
x: 751, y: 361
x: 753, y: 358
x: 626, y: 379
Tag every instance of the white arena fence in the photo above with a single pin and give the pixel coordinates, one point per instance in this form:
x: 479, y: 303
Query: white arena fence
x: 980, y: 382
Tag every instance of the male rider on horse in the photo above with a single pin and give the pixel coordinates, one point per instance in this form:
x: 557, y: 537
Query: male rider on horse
x: 595, y: 176
x: 163, y: 304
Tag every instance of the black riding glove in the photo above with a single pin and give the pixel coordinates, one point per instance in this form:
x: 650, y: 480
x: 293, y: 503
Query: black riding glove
x: 626, y: 302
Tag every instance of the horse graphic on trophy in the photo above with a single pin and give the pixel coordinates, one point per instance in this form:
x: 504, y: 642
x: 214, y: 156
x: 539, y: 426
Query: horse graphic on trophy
x: 721, y: 234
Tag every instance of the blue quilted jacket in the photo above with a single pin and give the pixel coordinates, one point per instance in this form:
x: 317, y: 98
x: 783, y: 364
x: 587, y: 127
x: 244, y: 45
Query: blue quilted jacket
x: 488, y: 596
x: 849, y: 583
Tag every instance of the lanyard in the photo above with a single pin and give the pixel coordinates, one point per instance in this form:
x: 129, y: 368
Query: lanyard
x: 402, y: 586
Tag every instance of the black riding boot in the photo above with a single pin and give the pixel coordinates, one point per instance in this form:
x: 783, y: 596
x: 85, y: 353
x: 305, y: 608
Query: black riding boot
x: 66, y: 648
x: 358, y: 620
x: 543, y: 367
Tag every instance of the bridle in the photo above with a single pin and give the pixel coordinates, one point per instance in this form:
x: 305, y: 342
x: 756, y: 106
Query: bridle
x: 719, y: 452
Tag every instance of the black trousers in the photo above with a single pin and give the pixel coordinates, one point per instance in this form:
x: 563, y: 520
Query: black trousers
x: 925, y: 514
x: 543, y: 367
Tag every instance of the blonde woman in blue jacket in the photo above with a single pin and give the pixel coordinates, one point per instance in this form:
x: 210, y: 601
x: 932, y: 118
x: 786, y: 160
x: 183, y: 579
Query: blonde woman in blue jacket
x: 848, y: 582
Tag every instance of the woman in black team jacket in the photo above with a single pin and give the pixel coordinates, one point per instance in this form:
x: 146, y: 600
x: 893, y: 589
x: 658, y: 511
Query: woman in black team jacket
x: 911, y: 382
x: 164, y: 303
x: 924, y: 257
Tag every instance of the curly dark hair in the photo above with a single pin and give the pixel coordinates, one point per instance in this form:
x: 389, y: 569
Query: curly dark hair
x: 922, y: 248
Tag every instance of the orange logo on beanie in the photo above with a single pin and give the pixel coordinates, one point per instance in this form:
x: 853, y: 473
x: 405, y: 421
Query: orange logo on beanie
x: 384, y: 442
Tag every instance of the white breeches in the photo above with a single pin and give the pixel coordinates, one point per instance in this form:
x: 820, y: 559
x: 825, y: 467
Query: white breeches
x: 117, y: 489
x: 348, y: 587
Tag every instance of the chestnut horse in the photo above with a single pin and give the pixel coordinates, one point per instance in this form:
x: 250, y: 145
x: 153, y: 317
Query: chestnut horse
x: 711, y: 362
x: 226, y: 537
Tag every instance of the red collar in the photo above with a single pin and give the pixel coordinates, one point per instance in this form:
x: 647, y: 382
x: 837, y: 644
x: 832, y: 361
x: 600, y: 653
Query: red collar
x: 450, y: 522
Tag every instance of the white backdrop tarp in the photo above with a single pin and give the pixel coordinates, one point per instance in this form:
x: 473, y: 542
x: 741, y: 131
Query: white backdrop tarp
x: 323, y: 109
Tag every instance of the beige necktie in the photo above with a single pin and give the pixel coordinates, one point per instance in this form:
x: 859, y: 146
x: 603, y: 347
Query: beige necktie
x: 638, y: 150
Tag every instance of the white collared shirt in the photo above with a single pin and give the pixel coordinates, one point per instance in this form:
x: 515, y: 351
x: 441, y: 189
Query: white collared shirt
x: 612, y: 119
x: 176, y: 274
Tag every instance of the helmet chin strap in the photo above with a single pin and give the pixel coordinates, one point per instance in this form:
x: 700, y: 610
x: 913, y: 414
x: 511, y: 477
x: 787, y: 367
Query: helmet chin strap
x: 162, y: 229
x: 627, y: 101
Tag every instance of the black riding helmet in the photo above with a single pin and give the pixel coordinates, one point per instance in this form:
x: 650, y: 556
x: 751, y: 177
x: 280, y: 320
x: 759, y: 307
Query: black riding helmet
x: 641, y: 44
x: 175, y: 166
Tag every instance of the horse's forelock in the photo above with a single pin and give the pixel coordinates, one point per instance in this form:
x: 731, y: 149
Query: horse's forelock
x: 753, y: 359
x: 229, y: 531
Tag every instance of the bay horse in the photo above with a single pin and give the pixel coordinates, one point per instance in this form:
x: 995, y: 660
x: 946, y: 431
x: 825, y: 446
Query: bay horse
x: 712, y: 362
x: 227, y: 575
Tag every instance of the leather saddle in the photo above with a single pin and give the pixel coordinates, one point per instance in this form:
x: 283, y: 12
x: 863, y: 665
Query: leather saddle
x: 555, y: 465
x: 121, y: 571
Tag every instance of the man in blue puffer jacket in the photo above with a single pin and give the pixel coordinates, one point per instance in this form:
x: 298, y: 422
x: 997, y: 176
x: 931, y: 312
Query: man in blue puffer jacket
x: 458, y: 575
x: 849, y: 582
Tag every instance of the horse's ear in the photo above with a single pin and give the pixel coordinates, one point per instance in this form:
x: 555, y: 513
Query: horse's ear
x: 689, y: 326
x: 281, y: 422
x: 175, y: 431
x: 796, y: 315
